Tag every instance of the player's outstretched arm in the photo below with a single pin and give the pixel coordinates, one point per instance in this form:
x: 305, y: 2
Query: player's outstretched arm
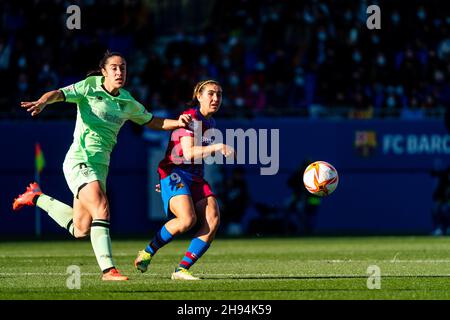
x: 169, y: 124
x: 36, y: 107
x: 192, y: 152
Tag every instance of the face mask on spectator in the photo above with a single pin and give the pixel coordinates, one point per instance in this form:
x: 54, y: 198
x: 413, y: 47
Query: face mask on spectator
x: 176, y: 62
x: 395, y: 18
x: 390, y: 102
x: 179, y: 36
x: 201, y: 39
x: 239, y: 101
x: 299, y: 81
x: 226, y: 63
x: 40, y: 41
x: 356, y: 56
x: 322, y: 36
x: 308, y: 17
x: 390, y: 90
x: 421, y: 14
x: 22, y: 63
x: 23, y: 86
x: 233, y: 41
x: 437, y: 22
x: 438, y: 76
x: 135, y: 81
x: 348, y: 15
x: 234, y: 80
x: 375, y: 39
x: 260, y: 66
x: 204, y: 60
x: 353, y: 35
x: 254, y: 88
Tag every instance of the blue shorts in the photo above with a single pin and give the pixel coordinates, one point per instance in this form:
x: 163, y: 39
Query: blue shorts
x: 181, y: 182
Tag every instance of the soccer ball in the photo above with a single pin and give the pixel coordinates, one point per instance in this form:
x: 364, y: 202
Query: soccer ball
x: 320, y: 178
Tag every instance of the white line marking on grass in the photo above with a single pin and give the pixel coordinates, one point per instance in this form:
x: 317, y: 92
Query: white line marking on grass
x: 250, y: 276
x: 385, y: 261
x: 88, y: 254
x: 395, y: 257
x: 394, y: 260
x: 12, y: 274
x: 231, y: 276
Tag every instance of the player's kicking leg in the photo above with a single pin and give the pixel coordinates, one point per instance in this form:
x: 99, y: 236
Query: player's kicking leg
x: 77, y: 221
x: 58, y: 211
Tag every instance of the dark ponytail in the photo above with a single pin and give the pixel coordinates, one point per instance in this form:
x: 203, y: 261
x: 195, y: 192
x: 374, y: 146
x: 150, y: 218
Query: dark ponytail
x: 108, y: 54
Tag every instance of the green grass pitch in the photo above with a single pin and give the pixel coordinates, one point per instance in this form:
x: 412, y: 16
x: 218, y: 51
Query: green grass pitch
x: 234, y: 269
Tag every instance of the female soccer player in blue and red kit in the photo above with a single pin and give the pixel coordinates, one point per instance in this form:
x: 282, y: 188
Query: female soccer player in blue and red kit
x: 187, y: 196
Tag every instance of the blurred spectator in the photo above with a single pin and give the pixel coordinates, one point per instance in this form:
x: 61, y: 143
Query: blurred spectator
x: 441, y: 199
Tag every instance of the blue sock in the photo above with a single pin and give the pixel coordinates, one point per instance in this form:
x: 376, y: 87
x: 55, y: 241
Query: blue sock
x: 196, y: 249
x: 162, y: 238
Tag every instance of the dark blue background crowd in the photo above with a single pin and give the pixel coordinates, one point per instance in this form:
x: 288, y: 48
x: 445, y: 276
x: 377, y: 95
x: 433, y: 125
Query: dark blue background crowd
x: 307, y: 58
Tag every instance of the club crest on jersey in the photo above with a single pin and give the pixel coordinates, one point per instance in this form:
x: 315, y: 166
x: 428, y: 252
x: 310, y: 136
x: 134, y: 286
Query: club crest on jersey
x: 85, y: 172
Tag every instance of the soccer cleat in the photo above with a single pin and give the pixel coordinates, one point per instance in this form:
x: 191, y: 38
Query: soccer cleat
x: 113, y: 275
x: 183, y: 274
x: 142, y: 260
x: 27, y: 198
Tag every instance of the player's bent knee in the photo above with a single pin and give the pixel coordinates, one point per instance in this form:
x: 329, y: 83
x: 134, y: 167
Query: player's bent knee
x: 188, y: 222
x: 81, y: 233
